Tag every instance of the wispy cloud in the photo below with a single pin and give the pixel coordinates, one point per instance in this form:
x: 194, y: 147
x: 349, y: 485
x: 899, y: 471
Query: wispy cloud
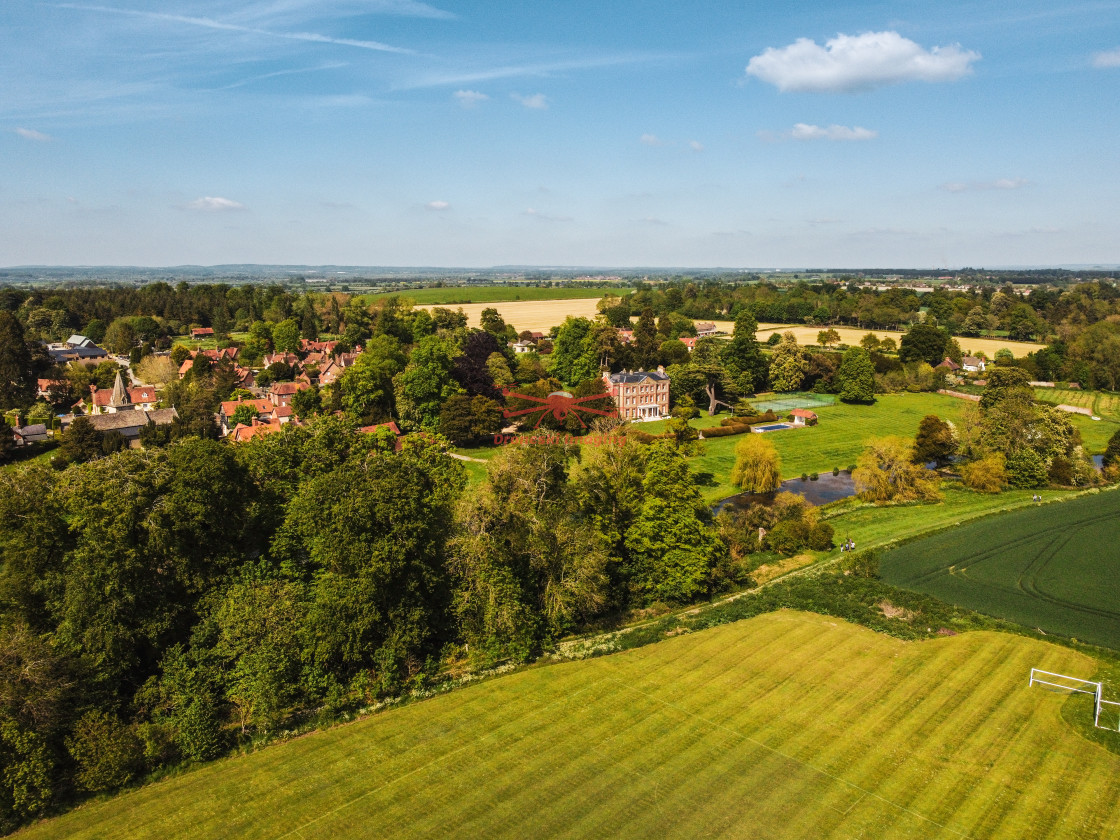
x: 1107, y: 59
x: 998, y: 184
x: 438, y: 205
x: 696, y: 145
x: 214, y: 204
x: 850, y: 63
x: 469, y: 98
x: 210, y: 23
x: 31, y: 134
x: 272, y: 10
x: 334, y: 65
x: 541, y: 70
x: 650, y: 140
x: 546, y: 217
x: 803, y: 131
x: 535, y: 102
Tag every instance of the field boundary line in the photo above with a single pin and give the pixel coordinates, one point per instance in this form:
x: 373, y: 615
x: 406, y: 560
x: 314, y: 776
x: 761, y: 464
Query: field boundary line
x: 298, y: 830
x: 866, y: 793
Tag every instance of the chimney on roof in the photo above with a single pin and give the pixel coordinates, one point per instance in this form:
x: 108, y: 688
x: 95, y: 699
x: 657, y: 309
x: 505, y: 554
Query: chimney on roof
x: 661, y: 369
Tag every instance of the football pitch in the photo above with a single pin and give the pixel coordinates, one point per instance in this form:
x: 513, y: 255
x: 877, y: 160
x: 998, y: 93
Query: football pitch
x: 788, y: 725
x: 1054, y: 566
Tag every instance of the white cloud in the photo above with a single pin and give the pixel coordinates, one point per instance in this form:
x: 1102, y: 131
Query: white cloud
x: 537, y: 102
x: 1109, y: 58
x: 696, y: 145
x: 31, y: 134
x: 214, y: 204
x: 469, y: 98
x: 650, y: 140
x: 998, y: 184
x: 803, y: 131
x: 438, y: 205
x: 861, y: 62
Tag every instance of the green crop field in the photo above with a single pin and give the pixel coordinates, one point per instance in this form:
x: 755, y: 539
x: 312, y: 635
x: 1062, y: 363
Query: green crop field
x: 788, y: 725
x: 1052, y: 566
x: 1101, y: 403
x: 495, y: 294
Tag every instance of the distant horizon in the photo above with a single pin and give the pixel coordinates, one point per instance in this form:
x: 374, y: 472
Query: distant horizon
x: 346, y: 267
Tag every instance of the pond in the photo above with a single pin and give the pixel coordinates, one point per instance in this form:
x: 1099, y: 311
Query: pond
x: 827, y: 488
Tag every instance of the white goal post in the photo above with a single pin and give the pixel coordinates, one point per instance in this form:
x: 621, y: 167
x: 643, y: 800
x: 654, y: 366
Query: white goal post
x: 1078, y: 686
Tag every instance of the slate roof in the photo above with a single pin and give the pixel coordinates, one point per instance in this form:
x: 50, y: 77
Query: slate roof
x: 635, y: 377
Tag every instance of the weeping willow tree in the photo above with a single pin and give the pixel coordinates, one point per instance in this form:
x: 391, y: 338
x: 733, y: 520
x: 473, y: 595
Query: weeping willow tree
x: 885, y: 472
x: 758, y: 469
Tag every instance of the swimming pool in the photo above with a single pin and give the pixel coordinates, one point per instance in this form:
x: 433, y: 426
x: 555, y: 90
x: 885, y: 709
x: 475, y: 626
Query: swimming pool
x: 772, y: 427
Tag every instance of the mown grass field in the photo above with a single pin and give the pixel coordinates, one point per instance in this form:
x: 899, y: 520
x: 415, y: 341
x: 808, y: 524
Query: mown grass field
x: 495, y: 294
x: 787, y: 725
x: 1053, y: 566
x: 1101, y: 403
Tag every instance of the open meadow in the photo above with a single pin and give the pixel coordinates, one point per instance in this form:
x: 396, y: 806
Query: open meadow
x: 787, y: 725
x: 1050, y: 566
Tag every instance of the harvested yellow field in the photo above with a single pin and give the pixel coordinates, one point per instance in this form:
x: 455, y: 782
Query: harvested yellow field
x: 538, y: 315
x: 852, y: 336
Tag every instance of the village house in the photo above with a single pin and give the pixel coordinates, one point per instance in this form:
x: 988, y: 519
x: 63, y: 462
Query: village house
x: 51, y: 390
x: 705, y: 328
x: 120, y: 398
x: 949, y: 365
x: 201, y: 332
x: 27, y: 435
x: 263, y: 407
x: 281, y: 393
x: 523, y: 346
x: 639, y: 395
x: 77, y: 348
x: 689, y: 342
x: 390, y: 426
x: 254, y: 429
x: 625, y: 336
x: 128, y: 422
x: 973, y: 364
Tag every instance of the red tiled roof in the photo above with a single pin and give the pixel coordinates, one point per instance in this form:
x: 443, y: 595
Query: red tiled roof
x: 804, y: 412
x: 143, y: 394
x: 255, y: 429
x: 262, y: 406
x: 391, y: 426
x: 283, y: 389
x: 196, y: 332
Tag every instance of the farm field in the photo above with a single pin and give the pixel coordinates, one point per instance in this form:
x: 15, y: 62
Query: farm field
x: 495, y: 294
x: 1101, y: 403
x: 539, y: 315
x: 1052, y: 566
x: 787, y: 725
x: 852, y: 336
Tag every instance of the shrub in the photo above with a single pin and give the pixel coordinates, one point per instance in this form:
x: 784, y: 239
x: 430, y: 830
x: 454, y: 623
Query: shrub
x: 813, y: 476
x: 788, y: 536
x: 836, y: 471
x: 820, y: 537
x: 804, y: 476
x: 986, y: 475
x: 106, y: 752
x: 725, y: 431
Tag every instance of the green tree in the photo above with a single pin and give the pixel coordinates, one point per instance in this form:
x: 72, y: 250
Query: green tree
x: 885, y: 472
x: 367, y: 385
x: 1112, y: 451
x: 285, y: 336
x: 571, y: 359
x: 856, y: 376
x: 758, y: 468
x: 244, y: 415
x: 307, y: 403
x: 788, y: 364
x: 742, y: 355
x: 17, y: 370
x: 81, y: 442
x: 645, y: 343
x: 987, y: 474
x: 106, y: 752
x: 422, y: 389
x: 934, y: 441
x: 672, y: 552
x: 120, y: 337
x: 828, y: 337
x: 924, y: 343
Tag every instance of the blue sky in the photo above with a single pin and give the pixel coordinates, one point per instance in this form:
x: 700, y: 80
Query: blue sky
x: 398, y: 132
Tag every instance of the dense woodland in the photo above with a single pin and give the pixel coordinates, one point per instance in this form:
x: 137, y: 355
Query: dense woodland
x: 167, y: 604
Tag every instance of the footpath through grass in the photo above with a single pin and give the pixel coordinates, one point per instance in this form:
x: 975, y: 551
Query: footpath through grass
x: 788, y: 725
x: 1053, y: 566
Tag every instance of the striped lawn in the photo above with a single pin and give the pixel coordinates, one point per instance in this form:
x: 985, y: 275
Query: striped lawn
x: 788, y: 725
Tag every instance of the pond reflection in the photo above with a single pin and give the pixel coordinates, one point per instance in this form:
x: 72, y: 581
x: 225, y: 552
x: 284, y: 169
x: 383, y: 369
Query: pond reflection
x: 827, y: 488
